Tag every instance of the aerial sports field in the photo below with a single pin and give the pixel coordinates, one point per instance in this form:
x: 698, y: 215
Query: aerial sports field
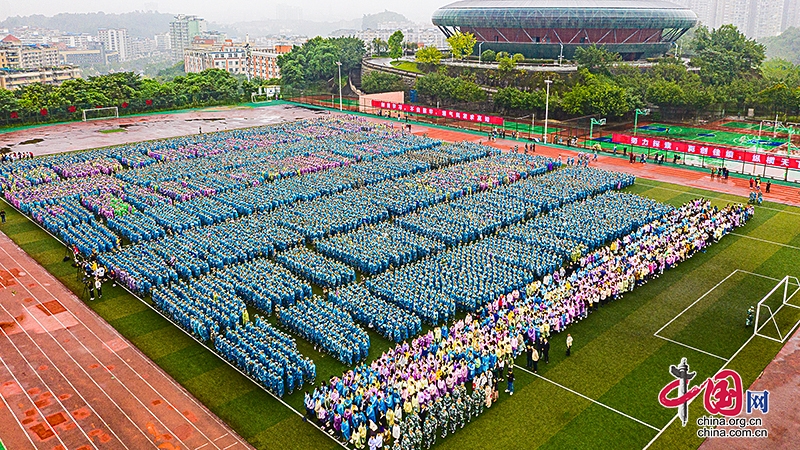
x: 604, y: 395
x: 731, y: 138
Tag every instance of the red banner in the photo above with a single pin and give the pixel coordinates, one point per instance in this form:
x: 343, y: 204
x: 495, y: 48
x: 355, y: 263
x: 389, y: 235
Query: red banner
x: 710, y: 151
x: 459, y: 115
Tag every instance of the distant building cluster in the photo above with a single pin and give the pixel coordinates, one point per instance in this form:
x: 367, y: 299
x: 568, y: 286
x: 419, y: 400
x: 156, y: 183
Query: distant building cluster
x: 423, y: 37
x: 235, y: 58
x: 37, y: 55
x: 22, y: 64
x: 755, y: 18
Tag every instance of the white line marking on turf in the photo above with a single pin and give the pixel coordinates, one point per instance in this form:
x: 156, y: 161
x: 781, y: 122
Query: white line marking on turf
x: 692, y: 348
x: 695, y: 302
x: 765, y: 241
x: 588, y: 398
x: 764, y: 276
x: 723, y: 366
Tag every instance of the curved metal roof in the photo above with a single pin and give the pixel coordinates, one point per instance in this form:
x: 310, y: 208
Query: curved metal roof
x: 565, y: 14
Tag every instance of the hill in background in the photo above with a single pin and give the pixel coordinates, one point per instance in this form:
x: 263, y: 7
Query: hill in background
x: 138, y: 23
x: 785, y: 45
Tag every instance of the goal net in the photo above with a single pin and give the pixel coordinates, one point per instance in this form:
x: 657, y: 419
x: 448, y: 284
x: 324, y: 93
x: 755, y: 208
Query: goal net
x: 110, y: 112
x: 777, y: 314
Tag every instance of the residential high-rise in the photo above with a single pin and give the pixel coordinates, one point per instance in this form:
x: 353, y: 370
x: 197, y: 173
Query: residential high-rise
x: 755, y: 18
x: 115, y: 40
x: 182, y: 31
x: 24, y: 56
x: 791, y: 14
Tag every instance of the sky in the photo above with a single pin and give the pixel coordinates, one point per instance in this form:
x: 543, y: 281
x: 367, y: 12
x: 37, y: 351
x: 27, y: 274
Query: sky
x: 228, y: 12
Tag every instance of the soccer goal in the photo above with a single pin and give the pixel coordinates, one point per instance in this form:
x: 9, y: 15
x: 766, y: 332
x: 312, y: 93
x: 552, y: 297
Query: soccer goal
x: 773, y: 322
x: 109, y: 112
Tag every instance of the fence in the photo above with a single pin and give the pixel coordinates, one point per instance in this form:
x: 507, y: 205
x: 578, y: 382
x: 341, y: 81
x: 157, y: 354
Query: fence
x: 69, y: 113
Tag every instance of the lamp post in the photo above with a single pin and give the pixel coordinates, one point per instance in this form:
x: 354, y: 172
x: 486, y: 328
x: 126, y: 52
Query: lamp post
x: 547, y: 108
x: 480, y: 59
x: 593, y: 123
x: 560, y: 54
x: 639, y: 112
x: 339, y: 64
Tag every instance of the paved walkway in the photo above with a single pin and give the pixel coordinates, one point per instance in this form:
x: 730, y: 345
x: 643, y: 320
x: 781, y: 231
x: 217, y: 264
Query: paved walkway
x: 68, y: 380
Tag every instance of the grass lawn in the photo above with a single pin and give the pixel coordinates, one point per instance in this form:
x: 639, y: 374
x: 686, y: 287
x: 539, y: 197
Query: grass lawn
x: 113, y: 130
x: 728, y: 138
x: 408, y: 66
x: 617, y: 361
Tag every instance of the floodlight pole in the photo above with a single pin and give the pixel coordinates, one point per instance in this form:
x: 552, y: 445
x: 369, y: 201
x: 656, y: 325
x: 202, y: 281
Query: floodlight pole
x: 594, y: 122
x: 547, y: 108
x: 642, y: 112
x: 339, y: 64
x: 775, y: 127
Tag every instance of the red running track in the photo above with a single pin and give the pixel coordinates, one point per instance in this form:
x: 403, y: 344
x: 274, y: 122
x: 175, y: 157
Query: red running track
x: 68, y: 380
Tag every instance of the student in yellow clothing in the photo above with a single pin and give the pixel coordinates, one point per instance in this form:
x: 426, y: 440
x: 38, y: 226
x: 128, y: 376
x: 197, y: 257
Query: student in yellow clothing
x: 569, y: 343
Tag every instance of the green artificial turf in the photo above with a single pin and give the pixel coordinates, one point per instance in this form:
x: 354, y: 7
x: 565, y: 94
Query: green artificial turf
x: 113, y: 130
x: 748, y: 126
x: 616, y: 360
x: 727, y: 138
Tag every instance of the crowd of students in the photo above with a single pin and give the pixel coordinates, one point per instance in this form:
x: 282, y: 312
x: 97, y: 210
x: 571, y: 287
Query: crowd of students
x: 437, y: 382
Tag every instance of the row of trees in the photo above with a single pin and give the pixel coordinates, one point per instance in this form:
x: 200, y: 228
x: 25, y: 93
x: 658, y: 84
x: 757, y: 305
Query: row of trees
x: 727, y: 72
x: 126, y: 90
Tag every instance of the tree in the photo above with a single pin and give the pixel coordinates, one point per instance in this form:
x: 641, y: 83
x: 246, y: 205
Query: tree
x: 518, y: 57
x: 513, y: 98
x: 488, y: 56
x: 316, y: 60
x: 441, y: 87
x: 461, y: 44
x: 597, y: 94
x: 375, y: 82
x: 429, y: 55
x: 396, y: 45
x: 379, y: 46
x: 596, y: 59
x: 506, y: 64
x: 725, y: 53
x: 8, y: 103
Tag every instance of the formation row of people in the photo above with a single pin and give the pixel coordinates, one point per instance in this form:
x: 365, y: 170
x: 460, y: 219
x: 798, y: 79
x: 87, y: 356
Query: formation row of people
x: 266, y: 354
x: 320, y: 270
x: 391, y: 322
x: 326, y: 326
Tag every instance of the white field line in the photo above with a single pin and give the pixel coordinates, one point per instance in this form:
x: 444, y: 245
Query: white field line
x: 588, y: 398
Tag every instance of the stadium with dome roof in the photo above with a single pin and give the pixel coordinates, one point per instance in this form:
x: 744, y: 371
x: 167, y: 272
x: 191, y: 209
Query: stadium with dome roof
x: 635, y: 29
